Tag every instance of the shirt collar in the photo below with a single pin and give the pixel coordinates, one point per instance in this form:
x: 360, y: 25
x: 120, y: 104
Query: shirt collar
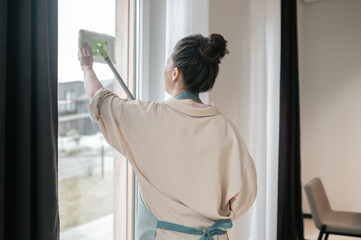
x: 191, y: 110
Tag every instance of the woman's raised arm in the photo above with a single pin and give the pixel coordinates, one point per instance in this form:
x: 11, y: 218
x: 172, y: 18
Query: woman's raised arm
x: 91, y: 82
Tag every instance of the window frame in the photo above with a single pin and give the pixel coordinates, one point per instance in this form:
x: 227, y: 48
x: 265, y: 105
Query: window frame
x: 127, y: 64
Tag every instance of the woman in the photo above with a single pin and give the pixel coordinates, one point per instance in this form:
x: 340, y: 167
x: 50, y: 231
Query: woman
x: 194, y: 171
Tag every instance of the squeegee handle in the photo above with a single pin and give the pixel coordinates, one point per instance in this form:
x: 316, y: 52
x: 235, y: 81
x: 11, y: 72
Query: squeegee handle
x: 120, y: 80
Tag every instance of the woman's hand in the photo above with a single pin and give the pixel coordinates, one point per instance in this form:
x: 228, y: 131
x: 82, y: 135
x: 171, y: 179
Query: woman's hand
x: 85, y: 56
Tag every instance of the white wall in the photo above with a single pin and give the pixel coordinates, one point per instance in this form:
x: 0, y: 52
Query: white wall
x: 330, y: 92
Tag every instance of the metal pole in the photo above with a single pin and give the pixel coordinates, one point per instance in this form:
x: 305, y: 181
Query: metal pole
x: 120, y: 80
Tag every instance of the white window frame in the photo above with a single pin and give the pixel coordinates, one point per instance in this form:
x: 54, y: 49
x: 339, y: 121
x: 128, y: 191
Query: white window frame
x: 125, y: 183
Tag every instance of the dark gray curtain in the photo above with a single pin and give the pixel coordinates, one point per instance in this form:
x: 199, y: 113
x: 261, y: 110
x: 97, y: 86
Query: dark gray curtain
x: 28, y: 120
x: 289, y: 219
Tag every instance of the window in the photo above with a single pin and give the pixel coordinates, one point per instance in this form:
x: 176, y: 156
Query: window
x: 97, y: 186
x: 86, y: 191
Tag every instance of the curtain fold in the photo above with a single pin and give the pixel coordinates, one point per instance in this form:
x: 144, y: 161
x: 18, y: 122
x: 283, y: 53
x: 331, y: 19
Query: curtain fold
x: 290, y: 219
x: 28, y: 120
x: 3, y: 23
x: 264, y: 75
x: 247, y: 91
x: 193, y: 20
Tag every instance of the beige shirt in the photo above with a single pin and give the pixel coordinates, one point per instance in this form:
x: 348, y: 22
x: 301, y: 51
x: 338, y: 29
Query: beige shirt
x: 192, y: 165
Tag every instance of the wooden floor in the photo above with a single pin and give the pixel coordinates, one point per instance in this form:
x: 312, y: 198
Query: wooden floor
x: 311, y: 232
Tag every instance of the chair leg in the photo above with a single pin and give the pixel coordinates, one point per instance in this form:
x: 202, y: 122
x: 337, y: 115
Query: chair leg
x: 320, y: 236
x: 322, y: 231
x: 326, y: 236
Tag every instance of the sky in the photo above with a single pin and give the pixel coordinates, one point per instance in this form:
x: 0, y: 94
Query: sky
x: 93, y: 15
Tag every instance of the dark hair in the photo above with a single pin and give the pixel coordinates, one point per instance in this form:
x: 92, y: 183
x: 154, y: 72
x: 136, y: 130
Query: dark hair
x: 197, y: 58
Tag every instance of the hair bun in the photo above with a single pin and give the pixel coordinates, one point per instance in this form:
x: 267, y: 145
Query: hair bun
x: 214, y: 48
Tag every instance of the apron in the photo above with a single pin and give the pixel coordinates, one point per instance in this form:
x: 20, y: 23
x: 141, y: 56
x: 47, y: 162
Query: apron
x: 147, y: 224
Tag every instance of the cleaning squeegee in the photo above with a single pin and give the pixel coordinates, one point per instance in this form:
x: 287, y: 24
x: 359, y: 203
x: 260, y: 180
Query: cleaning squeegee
x: 103, y: 50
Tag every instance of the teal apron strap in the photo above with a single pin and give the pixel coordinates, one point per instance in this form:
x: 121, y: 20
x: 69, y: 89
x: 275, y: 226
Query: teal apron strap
x: 188, y: 95
x: 212, y: 230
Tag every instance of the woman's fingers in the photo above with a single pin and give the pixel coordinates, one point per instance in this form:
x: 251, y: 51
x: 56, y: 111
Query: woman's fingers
x: 88, y: 50
x: 83, y: 51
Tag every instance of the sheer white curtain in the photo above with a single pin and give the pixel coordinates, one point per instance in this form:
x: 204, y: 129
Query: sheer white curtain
x: 183, y: 18
x: 265, y: 76
x: 246, y: 90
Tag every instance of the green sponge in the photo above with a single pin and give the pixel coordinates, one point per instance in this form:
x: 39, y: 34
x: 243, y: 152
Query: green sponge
x: 102, y: 45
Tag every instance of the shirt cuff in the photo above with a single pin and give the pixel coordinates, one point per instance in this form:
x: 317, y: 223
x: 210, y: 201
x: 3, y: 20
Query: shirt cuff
x: 94, y: 105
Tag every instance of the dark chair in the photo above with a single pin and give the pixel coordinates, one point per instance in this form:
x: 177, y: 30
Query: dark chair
x: 327, y: 220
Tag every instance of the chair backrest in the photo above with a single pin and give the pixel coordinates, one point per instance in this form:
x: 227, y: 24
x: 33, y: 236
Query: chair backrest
x: 318, y: 201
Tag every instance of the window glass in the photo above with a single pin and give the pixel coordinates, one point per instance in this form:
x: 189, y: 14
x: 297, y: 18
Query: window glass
x: 85, y: 159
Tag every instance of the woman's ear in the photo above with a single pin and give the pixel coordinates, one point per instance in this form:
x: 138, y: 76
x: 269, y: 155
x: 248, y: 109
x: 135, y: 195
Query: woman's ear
x: 175, y: 74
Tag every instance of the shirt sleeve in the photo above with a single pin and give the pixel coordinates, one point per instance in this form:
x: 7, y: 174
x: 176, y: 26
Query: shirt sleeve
x: 103, y: 109
x: 244, y: 199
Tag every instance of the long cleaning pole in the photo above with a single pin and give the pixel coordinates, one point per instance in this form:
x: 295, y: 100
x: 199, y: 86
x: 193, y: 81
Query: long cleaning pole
x: 115, y: 72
